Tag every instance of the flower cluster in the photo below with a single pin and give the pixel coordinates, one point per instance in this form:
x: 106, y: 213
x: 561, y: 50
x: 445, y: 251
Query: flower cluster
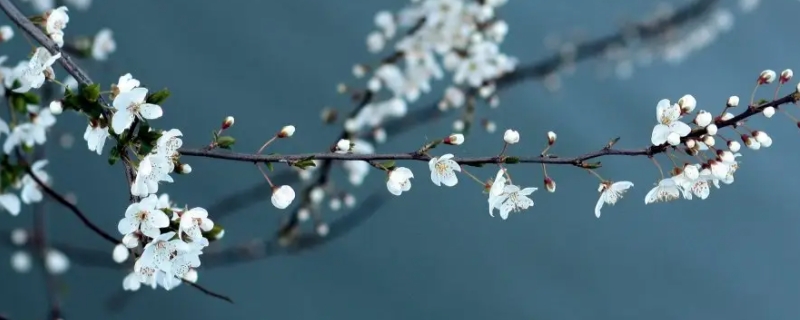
x: 167, y: 258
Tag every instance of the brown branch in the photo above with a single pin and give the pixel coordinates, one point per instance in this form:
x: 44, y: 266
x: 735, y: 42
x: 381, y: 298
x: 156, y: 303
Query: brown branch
x: 548, y: 159
x: 64, y: 202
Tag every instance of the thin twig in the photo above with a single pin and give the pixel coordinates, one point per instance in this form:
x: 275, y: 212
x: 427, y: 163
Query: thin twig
x: 64, y: 202
x: 575, y: 161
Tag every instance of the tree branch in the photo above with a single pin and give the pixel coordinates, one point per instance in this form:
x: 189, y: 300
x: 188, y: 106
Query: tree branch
x: 551, y: 159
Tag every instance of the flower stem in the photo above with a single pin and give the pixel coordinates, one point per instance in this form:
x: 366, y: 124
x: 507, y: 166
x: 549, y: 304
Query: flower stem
x: 464, y: 170
x: 266, y: 144
x: 264, y: 173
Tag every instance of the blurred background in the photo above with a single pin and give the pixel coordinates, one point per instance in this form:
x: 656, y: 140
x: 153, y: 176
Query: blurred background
x: 435, y: 252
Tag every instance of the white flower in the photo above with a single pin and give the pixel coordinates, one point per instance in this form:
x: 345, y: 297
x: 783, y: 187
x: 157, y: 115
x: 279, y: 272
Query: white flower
x: 56, y: 262
x: 511, y: 199
x: 10, y: 202
x: 38, y: 69
x: 125, y: 83
x: 6, y: 33
x: 454, y: 139
x: 703, y: 118
x: 57, y: 20
x: 733, y: 101
x: 131, y: 282
x: 144, y: 216
x: 30, y: 133
x: 669, y: 129
x: 611, y: 193
x: 769, y: 112
x: 21, y: 261
x: 193, y: 223
x: 511, y: 136
x: 666, y: 190
x: 443, y: 170
x: 399, y: 180
x: 56, y: 107
x: 694, y: 182
x: 153, y: 169
x: 31, y: 192
x: 343, y: 146
x: 766, y: 77
x: 551, y: 137
x: 120, y: 253
x: 169, y: 142
x: 687, y: 103
x: 95, y: 136
x: 286, y: 132
x: 282, y: 196
x: 103, y: 44
x: 130, y: 105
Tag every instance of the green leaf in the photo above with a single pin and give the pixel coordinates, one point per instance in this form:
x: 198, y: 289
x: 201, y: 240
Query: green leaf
x: 225, y: 142
x: 18, y: 101
x: 31, y: 97
x: 305, y: 163
x: 215, y: 233
x: 511, y: 160
x: 91, y: 92
x: 113, y: 155
x: 389, y: 165
x: 158, y: 97
x: 269, y: 166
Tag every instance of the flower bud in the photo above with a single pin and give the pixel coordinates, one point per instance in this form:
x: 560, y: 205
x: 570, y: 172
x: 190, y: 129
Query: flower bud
x: 690, y: 143
x: 56, y: 107
x: 191, y: 276
x: 769, y: 112
x: 454, y: 139
x: 703, y: 118
x: 550, y: 184
x: 712, y: 129
x: 303, y: 214
x: 131, y: 240
x: 766, y: 77
x: 750, y: 142
x: 786, y: 75
x: 691, y: 171
x: 323, y: 229
x: 725, y: 156
x: 458, y: 125
x: 734, y: 146
x: 349, y: 200
x: 317, y: 195
x: 733, y: 101
x: 551, y: 137
x: 763, y: 138
x: 687, y: 103
x: 335, y: 204
x: 511, y: 136
x: 343, y: 146
x: 184, y: 168
x: 726, y: 116
x: 227, y: 123
x: 359, y: 71
x: 120, y: 253
x: 19, y: 237
x: 286, y: 132
x: 379, y: 134
x: 282, y: 196
x: 709, y: 140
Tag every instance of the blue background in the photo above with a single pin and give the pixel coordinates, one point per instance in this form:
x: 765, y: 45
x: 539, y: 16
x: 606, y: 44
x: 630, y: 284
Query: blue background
x: 435, y: 252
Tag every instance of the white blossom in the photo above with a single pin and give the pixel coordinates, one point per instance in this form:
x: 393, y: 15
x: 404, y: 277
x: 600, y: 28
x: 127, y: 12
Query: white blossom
x: 399, y: 180
x: 131, y: 105
x: 610, y: 193
x: 666, y: 190
x: 282, y: 196
x: 670, y: 128
x: 443, y: 170
x: 103, y: 44
x: 145, y: 217
x: 508, y: 198
x: 38, y: 69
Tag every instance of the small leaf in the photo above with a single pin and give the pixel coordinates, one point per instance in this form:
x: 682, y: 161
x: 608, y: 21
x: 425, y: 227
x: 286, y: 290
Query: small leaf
x: 511, y: 160
x: 389, y: 165
x: 91, y: 92
x: 158, y: 97
x: 113, y: 156
x: 225, y: 142
x: 31, y: 97
x: 18, y: 101
x: 269, y: 166
x: 215, y: 233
